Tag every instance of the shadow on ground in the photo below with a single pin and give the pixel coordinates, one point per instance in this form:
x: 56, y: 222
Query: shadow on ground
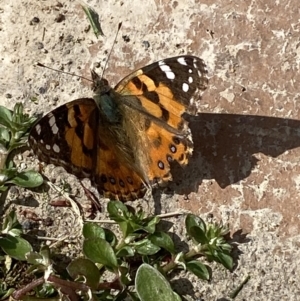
x: 225, y: 144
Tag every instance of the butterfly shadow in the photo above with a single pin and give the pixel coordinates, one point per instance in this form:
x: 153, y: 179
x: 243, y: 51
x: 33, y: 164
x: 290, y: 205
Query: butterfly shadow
x: 224, y: 148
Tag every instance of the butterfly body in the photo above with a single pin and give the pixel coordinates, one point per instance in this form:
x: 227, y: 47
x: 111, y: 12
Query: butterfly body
x: 125, y: 138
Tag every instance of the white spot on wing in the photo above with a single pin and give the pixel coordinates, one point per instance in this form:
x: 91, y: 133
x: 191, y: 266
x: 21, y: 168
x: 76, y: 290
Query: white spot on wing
x: 182, y: 61
x: 166, y: 69
x: 185, y: 87
x: 195, y: 64
x: 52, y: 123
x: 56, y: 148
x: 38, y: 129
x: 48, y: 147
x: 54, y: 129
x: 190, y: 79
x: 51, y: 120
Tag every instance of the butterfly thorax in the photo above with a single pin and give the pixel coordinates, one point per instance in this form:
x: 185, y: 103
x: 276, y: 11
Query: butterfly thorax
x: 115, y: 133
x: 108, y: 108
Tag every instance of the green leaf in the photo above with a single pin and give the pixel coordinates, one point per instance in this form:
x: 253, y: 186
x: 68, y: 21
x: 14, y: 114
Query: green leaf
x: 180, y: 260
x: 146, y: 247
x: 149, y: 224
x: 3, y: 188
x: 194, y: 221
x: 98, y: 250
x: 86, y: 268
x: 94, y: 20
x: 7, y: 174
x: 34, y: 258
x: 11, y: 225
x: 5, y: 116
x: 126, y: 228
x: 110, y: 237
x: 198, y: 268
x: 151, y: 285
x: 4, y: 137
x: 124, y: 276
x: 225, y: 259
x: 40, y: 262
x: 15, y: 247
x: 162, y: 240
x: 198, y: 235
x: 5, y: 294
x: 92, y: 230
x: 27, y: 179
x: 125, y: 252
x: 117, y: 211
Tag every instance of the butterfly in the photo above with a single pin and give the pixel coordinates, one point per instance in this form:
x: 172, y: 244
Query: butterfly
x: 124, y: 139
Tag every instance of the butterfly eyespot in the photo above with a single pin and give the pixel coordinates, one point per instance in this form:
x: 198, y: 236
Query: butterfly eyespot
x: 181, y: 158
x: 176, y: 140
x: 129, y: 180
x: 121, y: 182
x: 169, y: 158
x: 173, y: 148
x: 103, y: 179
x: 112, y: 180
x: 161, y: 165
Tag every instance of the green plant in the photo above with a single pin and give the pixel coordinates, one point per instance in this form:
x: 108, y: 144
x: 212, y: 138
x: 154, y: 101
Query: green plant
x: 139, y: 264
x: 14, y: 127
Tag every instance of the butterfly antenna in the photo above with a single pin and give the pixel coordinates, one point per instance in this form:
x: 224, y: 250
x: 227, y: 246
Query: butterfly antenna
x: 56, y: 70
x: 69, y: 73
x: 119, y: 27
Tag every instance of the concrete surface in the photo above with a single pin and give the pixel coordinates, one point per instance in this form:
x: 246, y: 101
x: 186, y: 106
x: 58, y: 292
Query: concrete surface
x: 245, y: 169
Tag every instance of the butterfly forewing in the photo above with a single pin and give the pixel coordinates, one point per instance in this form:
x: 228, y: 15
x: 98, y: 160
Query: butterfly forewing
x: 67, y: 136
x: 175, y: 83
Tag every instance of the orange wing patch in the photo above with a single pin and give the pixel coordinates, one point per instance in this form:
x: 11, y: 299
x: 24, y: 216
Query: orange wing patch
x: 159, y: 101
x: 165, y: 148
x: 116, y: 179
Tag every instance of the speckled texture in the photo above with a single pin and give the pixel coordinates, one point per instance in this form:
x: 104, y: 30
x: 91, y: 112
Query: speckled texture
x: 245, y: 169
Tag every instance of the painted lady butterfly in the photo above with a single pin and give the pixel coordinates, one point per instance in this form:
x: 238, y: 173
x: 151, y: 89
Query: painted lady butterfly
x: 124, y: 139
